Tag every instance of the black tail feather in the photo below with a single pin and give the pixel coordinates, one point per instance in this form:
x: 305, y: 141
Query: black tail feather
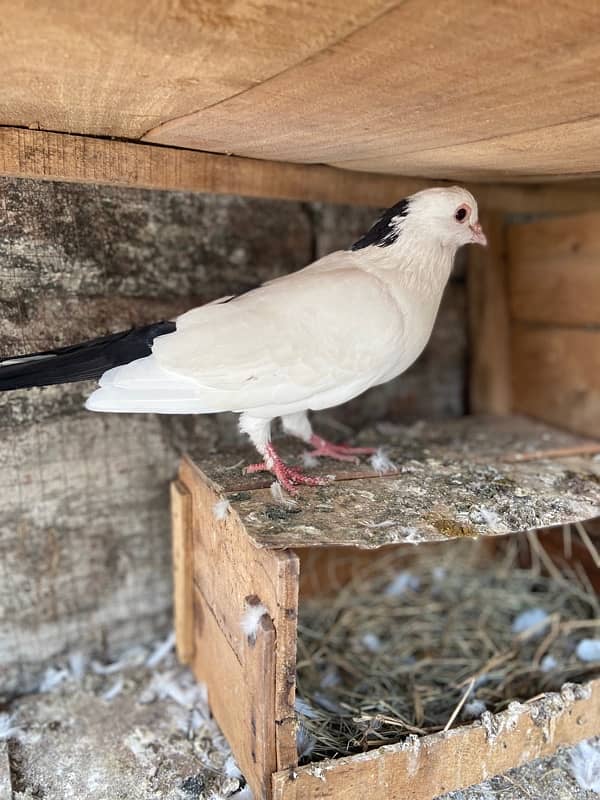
x: 80, y: 362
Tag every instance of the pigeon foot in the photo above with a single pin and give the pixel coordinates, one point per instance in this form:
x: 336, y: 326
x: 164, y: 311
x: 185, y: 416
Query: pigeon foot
x: 288, y: 477
x: 339, y: 452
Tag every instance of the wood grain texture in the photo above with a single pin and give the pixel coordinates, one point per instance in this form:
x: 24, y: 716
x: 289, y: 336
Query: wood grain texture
x: 556, y: 375
x: 555, y: 270
x: 489, y: 329
x: 122, y: 68
x: 84, y: 159
x: 249, y: 677
x: 437, y: 88
x: 442, y: 762
x: 183, y: 573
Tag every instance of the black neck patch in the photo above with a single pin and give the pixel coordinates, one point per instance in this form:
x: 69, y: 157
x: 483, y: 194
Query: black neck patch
x: 383, y: 233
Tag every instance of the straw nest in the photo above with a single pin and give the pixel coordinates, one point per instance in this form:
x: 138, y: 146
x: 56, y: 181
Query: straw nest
x: 418, y: 649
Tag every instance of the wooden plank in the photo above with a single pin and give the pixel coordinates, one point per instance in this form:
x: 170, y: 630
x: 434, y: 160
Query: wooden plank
x: 556, y: 375
x: 183, y: 595
x: 489, y: 383
x: 554, y: 270
x: 230, y: 573
x: 241, y: 692
x: 378, y: 101
x: 84, y: 159
x: 567, y: 149
x: 421, y: 769
x: 120, y: 69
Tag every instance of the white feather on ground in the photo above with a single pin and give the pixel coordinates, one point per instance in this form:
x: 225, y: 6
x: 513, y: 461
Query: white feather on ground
x: 221, y: 509
x: 78, y: 664
x: 371, y: 642
x: 8, y: 729
x: 52, y: 678
x: 585, y: 765
x: 381, y: 463
x: 403, y: 582
x: 114, y: 690
x: 251, y: 619
x: 534, y: 619
x: 588, y: 650
x: 280, y: 497
x: 305, y: 742
x: 161, y: 651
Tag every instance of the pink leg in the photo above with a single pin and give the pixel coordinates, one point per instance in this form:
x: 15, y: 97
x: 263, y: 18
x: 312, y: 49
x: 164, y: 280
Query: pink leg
x: 288, y: 477
x: 339, y: 452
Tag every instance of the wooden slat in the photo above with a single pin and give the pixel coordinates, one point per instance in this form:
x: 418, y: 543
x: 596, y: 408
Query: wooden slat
x: 118, y: 69
x: 489, y: 379
x: 403, y: 94
x: 181, y: 516
x: 251, y: 687
x: 443, y: 762
x: 555, y: 270
x: 83, y: 159
x: 556, y: 375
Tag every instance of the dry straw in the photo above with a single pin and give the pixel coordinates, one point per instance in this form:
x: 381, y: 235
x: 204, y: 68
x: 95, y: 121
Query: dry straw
x: 420, y: 649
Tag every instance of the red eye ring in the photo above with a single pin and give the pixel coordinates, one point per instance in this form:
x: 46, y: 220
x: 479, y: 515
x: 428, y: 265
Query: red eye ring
x: 462, y: 212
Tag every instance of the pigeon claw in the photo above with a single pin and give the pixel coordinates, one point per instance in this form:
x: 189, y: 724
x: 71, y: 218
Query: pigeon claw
x: 288, y: 477
x: 339, y: 452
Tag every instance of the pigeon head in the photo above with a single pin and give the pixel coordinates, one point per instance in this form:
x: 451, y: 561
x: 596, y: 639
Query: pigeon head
x: 445, y: 215
x: 448, y: 215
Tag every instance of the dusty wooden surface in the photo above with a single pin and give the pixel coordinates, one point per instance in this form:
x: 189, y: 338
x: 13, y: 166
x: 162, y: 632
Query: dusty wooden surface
x: 442, y: 762
x: 554, y: 298
x: 84, y: 502
x: 463, y: 477
x: 420, y: 87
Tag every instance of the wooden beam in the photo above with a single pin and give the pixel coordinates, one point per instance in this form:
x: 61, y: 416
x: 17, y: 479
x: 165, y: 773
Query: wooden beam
x: 84, y: 159
x: 489, y: 385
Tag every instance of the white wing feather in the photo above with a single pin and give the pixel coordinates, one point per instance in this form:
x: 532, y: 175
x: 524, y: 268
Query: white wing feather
x: 311, y: 339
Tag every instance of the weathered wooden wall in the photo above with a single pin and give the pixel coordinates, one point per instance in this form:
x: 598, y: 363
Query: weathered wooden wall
x: 84, y: 524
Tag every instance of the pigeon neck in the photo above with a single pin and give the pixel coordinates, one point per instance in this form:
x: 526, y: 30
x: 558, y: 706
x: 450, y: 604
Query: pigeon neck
x: 411, y: 263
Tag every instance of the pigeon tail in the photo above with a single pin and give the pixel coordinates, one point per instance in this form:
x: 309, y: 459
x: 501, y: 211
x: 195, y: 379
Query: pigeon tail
x: 86, y: 361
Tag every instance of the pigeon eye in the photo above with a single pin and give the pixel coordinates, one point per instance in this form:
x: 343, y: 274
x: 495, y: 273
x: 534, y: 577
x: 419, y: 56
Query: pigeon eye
x: 461, y: 214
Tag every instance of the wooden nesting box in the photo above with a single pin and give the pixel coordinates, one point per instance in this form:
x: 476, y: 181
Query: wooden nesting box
x: 470, y: 477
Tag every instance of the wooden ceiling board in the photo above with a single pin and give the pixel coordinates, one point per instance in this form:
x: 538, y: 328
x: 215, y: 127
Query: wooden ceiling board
x: 431, y: 87
x: 120, y: 68
x: 569, y: 150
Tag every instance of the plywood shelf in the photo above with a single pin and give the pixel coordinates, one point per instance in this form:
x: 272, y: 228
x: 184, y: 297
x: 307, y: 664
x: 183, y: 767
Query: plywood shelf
x: 467, y: 477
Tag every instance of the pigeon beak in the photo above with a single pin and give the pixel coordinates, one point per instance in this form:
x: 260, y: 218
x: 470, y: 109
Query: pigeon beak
x: 477, y: 234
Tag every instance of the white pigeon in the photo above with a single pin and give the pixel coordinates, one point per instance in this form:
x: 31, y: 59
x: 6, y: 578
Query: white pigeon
x: 309, y: 340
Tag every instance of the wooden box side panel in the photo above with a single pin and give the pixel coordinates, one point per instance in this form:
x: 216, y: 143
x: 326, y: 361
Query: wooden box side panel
x: 554, y: 296
x: 422, y: 769
x: 250, y: 675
